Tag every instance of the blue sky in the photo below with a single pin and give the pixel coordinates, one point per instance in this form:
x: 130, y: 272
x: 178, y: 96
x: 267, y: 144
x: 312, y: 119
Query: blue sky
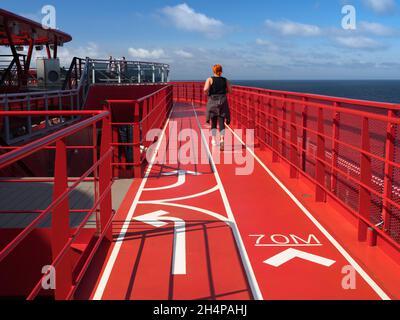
x: 252, y: 39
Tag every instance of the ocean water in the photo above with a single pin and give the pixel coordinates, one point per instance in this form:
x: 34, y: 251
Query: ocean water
x: 372, y: 90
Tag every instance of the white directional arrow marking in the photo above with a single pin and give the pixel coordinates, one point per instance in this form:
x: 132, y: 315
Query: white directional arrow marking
x: 156, y: 219
x: 181, y: 179
x: 290, y: 254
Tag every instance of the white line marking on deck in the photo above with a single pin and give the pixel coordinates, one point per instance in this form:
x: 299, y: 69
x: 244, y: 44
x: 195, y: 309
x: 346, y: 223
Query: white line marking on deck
x: 216, y: 188
x: 206, y: 212
x: 257, y: 295
x: 290, y: 254
x: 181, y: 180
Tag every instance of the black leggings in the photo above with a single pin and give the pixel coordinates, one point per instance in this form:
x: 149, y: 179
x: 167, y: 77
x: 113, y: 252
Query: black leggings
x: 214, y: 122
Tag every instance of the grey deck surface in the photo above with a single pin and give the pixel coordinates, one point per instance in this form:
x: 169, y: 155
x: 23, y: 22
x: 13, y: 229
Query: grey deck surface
x: 38, y: 196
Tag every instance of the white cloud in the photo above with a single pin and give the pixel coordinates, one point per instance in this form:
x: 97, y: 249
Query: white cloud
x: 186, y: 18
x: 376, y: 28
x: 184, y: 54
x: 141, y: 53
x: 290, y: 28
x: 358, y: 42
x: 381, y: 6
x: 90, y: 50
x: 267, y: 44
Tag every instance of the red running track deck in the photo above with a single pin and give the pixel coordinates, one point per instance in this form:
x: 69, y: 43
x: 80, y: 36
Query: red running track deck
x: 200, y: 231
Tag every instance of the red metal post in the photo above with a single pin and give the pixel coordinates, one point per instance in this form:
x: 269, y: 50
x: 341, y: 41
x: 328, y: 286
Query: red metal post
x: 335, y: 149
x: 320, y: 194
x: 294, y: 154
x: 388, y: 178
x: 60, y: 229
x: 304, y: 120
x: 254, y: 109
x: 194, y: 92
x: 115, y: 139
x: 275, y: 131
x: 105, y: 178
x: 263, y: 123
x: 148, y: 116
x: 247, y: 111
x: 364, y: 205
x: 136, y: 140
x: 283, y: 128
x: 270, y: 120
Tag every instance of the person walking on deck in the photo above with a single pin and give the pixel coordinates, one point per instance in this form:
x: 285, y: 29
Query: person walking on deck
x: 218, y: 112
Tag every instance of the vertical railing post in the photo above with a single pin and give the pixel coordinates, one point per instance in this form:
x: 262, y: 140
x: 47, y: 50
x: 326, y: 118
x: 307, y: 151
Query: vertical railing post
x: 270, y: 120
x: 254, y: 110
x: 136, y: 140
x: 364, y: 203
x: 247, y: 111
x: 93, y: 73
x: 294, y: 154
x: 95, y: 155
x: 388, y: 178
x: 115, y: 141
x: 304, y: 120
x: 263, y: 123
x: 284, y: 126
x: 320, y: 194
x: 105, y: 178
x: 275, y: 131
x: 240, y: 102
x: 335, y: 148
x: 235, y: 99
x: 60, y: 230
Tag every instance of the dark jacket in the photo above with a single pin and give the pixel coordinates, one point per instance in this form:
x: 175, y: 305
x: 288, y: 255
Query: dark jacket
x: 217, y: 105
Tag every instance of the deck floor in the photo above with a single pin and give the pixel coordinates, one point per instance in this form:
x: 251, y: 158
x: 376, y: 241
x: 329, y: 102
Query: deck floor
x: 202, y: 230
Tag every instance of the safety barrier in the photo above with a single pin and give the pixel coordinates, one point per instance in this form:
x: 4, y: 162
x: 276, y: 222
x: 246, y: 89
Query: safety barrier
x: 63, y: 238
x: 127, y: 72
x: 18, y: 129
x: 350, y: 149
x: 131, y: 122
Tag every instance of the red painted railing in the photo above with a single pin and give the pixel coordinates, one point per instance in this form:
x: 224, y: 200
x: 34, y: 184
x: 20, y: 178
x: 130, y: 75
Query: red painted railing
x: 63, y: 238
x: 349, y: 149
x: 137, y: 118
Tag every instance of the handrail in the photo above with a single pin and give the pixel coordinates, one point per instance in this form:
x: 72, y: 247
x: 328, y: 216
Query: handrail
x: 146, y: 113
x: 154, y: 93
x: 130, y: 62
x: 61, y: 239
x: 36, y: 145
x: 363, y: 103
x: 327, y: 107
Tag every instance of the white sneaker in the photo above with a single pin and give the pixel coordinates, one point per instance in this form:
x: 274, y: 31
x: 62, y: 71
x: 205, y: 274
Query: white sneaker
x: 214, y: 142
